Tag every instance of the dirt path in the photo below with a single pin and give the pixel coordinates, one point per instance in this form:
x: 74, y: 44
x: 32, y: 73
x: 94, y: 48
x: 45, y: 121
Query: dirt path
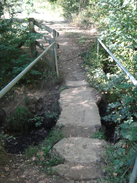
x: 70, y: 67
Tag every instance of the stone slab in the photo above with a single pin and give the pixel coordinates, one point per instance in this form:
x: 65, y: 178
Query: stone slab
x: 82, y: 158
x: 76, y: 83
x: 80, y: 150
x: 78, y: 172
x: 78, y: 110
x: 79, y: 131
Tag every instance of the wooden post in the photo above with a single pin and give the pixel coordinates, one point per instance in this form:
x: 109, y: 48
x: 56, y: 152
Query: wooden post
x: 56, y: 60
x: 32, y: 45
x: 53, y: 53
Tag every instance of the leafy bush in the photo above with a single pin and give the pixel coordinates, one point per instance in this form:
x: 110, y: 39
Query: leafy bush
x: 99, y: 135
x: 121, y: 97
x: 19, y: 121
x: 116, y: 29
x: 72, y: 7
x: 37, y: 120
x: 13, y: 35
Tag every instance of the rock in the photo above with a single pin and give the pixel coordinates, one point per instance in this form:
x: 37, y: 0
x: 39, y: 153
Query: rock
x: 82, y: 158
x: 79, y: 111
x: 78, y: 172
x: 76, y: 83
x: 80, y: 150
x: 82, y: 131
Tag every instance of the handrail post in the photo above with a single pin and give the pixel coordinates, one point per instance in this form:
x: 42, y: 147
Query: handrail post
x: 56, y: 60
x: 53, y: 54
x: 97, y: 48
x: 55, y: 34
x: 32, y: 45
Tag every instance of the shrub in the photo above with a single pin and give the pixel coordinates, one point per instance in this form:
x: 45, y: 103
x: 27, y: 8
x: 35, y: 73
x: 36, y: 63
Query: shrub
x: 19, y: 121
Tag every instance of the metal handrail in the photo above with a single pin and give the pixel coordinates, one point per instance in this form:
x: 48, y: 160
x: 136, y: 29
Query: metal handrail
x: 133, y: 80
x: 134, y: 173
x: 19, y: 76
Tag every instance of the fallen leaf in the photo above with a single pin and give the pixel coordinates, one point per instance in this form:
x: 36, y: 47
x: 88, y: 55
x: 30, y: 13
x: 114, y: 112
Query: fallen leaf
x: 40, y: 153
x: 17, y: 171
x: 3, y: 176
x: 33, y: 158
x: 42, y: 158
x: 6, y: 168
x: 114, y: 174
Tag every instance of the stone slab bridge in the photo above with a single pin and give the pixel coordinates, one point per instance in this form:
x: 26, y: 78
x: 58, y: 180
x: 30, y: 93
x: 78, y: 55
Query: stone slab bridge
x: 78, y: 121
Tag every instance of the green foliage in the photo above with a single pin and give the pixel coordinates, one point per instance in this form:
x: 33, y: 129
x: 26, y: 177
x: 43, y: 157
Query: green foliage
x: 50, y: 76
x: 72, y: 7
x: 13, y: 35
x: 128, y: 130
x: 117, y: 161
x: 50, y: 159
x: 99, y: 135
x: 31, y: 151
x: 121, y: 96
x: 120, y: 31
x: 43, y: 152
x: 116, y: 22
x: 50, y: 116
x: 19, y: 121
x: 125, y: 106
x: 8, y: 138
x: 37, y: 119
x: 62, y: 88
x: 54, y: 137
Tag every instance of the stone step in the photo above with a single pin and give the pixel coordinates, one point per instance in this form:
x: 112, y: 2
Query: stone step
x: 76, y: 83
x: 82, y: 158
x: 79, y: 112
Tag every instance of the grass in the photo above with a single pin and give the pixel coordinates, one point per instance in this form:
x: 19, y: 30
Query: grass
x: 31, y: 151
x: 62, y: 88
x: 99, y: 135
x: 42, y: 154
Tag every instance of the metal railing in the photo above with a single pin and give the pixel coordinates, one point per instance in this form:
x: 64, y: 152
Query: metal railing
x: 19, y: 76
x: 134, y: 173
x: 52, y: 53
x: 133, y: 80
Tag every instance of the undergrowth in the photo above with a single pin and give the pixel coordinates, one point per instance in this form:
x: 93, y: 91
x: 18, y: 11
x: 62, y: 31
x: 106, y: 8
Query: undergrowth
x: 22, y: 121
x: 43, y: 155
x: 121, y: 98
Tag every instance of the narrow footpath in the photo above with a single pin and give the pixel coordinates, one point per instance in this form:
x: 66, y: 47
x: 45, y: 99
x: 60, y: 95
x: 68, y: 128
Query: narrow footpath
x: 79, y: 120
